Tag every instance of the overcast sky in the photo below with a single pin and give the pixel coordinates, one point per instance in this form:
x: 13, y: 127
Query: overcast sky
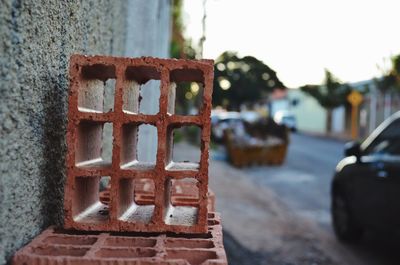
x: 300, y: 38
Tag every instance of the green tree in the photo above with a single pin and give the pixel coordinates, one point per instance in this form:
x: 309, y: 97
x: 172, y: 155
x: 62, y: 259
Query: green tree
x: 241, y: 80
x: 181, y: 48
x: 330, y: 95
x: 391, y: 79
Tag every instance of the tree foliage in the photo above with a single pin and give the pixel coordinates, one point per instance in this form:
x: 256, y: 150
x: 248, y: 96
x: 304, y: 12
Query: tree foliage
x: 180, y: 46
x: 241, y: 80
x: 331, y: 94
x: 391, y: 80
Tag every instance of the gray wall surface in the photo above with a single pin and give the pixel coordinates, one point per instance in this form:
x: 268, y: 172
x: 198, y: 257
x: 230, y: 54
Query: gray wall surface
x: 36, y: 40
x: 151, y: 44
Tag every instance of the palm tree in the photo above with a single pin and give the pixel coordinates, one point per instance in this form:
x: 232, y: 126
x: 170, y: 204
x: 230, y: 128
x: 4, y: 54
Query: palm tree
x: 330, y: 95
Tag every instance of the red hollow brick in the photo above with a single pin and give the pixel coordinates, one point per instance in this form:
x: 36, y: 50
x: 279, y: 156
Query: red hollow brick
x: 84, y: 210
x: 58, y: 247
x: 183, y: 194
x: 211, y: 201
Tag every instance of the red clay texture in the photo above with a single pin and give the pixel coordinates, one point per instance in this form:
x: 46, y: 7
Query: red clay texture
x: 211, y: 201
x: 86, y: 164
x: 183, y: 194
x: 58, y: 247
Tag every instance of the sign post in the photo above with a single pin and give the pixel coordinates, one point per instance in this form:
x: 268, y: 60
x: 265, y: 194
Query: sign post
x: 355, y: 99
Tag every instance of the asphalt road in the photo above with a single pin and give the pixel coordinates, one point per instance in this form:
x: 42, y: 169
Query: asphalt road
x: 281, y: 214
x: 303, y: 182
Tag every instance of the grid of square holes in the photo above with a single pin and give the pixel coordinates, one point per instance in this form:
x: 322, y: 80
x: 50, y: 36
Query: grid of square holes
x: 111, y: 127
x: 58, y: 246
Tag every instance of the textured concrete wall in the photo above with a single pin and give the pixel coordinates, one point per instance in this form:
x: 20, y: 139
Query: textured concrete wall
x: 36, y: 40
x: 141, y: 42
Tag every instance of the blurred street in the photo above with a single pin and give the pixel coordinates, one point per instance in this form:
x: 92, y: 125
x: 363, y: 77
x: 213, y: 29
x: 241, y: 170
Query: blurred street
x: 111, y: 110
x: 289, y: 203
x: 280, y: 214
x: 303, y: 181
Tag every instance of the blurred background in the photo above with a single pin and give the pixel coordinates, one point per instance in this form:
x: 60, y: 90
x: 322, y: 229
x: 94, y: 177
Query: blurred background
x: 294, y: 81
x: 298, y: 58
x: 302, y: 171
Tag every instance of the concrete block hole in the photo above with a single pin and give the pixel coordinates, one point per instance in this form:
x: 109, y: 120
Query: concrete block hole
x: 91, y: 201
x: 141, y: 92
x: 133, y: 206
x: 94, y: 144
x: 181, y: 210
x: 97, y: 89
x: 180, y: 161
x: 186, y: 92
x: 133, y: 136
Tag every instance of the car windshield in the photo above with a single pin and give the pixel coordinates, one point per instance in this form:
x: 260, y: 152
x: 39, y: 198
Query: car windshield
x: 387, y: 142
x: 288, y: 118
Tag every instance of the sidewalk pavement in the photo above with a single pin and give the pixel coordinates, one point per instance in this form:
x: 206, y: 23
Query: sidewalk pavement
x: 262, y: 229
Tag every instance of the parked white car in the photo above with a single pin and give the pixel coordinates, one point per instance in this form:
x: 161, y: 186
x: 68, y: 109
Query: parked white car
x: 223, y: 121
x: 287, y: 119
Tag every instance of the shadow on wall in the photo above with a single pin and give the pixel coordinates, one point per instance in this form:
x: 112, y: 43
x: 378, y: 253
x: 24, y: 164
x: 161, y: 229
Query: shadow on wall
x: 37, y: 42
x: 54, y: 147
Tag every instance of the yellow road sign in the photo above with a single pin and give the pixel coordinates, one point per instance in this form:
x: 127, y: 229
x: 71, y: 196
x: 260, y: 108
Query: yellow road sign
x: 355, y: 98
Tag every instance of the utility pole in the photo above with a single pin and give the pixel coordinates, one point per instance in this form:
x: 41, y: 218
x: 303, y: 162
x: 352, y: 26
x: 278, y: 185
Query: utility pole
x: 203, y: 35
x: 372, y: 108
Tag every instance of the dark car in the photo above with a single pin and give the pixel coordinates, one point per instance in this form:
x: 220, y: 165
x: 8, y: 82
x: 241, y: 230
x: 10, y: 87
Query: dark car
x: 366, y: 186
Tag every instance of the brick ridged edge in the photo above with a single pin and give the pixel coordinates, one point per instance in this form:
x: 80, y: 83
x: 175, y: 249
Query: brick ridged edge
x: 58, y: 247
x: 86, y: 118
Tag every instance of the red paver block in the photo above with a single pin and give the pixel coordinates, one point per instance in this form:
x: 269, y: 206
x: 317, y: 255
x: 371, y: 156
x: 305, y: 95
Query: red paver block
x: 86, y: 165
x: 58, y: 247
x: 183, y: 194
x: 211, y: 201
